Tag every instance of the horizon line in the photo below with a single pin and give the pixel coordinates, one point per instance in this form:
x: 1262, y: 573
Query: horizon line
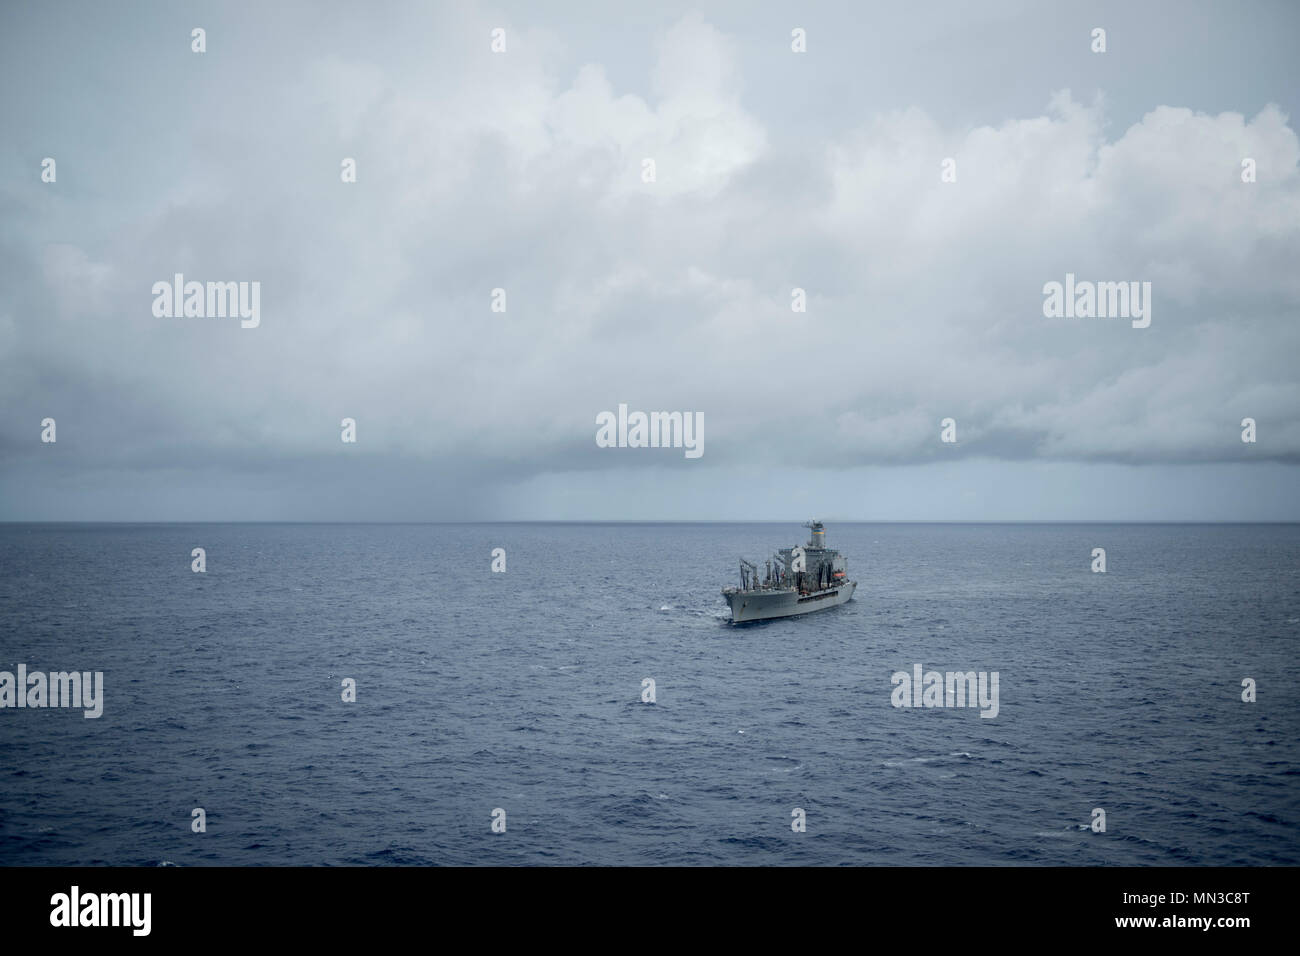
x: 664, y: 521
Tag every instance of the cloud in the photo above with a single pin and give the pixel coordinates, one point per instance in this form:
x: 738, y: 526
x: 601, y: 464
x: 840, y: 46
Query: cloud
x: 479, y: 172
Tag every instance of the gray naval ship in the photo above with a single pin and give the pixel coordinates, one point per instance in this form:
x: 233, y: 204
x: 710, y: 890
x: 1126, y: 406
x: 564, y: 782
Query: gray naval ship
x: 796, y: 581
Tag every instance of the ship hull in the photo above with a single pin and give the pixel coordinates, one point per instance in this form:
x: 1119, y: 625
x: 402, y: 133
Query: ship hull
x: 764, y: 605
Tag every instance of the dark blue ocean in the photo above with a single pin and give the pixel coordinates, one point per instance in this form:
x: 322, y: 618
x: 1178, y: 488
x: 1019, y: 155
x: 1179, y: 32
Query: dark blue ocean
x: 522, y: 691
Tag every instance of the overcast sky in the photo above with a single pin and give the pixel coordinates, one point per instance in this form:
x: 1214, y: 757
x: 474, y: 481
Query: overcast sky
x: 523, y: 171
